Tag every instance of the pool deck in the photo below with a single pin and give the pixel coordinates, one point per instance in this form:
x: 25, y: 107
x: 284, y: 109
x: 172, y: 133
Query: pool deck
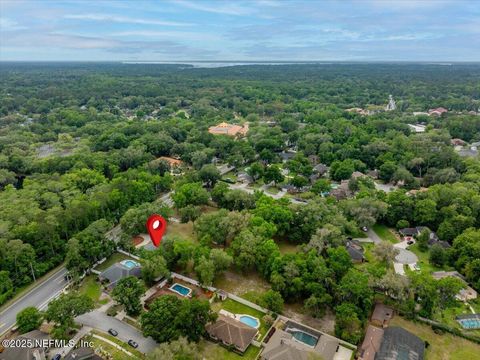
x: 165, y: 290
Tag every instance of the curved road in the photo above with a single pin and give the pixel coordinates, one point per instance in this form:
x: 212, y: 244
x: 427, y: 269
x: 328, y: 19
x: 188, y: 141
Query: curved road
x: 101, y: 321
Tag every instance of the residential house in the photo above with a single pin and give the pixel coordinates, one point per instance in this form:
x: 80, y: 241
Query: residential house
x: 466, y: 294
x: 231, y: 332
x: 119, y: 271
x: 298, y: 342
x: 417, y: 128
x: 27, y: 353
x: 342, y: 191
x: 400, y: 344
x: 381, y: 315
x: 355, y: 250
x: 371, y: 343
x: 228, y: 129
x: 458, y: 142
x: 82, y: 353
x: 286, y: 155
x: 438, y: 111
x: 171, y: 161
x: 319, y: 170
x: 245, y: 178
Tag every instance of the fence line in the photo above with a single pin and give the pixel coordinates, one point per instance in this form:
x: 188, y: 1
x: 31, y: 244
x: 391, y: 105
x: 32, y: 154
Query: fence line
x: 128, y: 254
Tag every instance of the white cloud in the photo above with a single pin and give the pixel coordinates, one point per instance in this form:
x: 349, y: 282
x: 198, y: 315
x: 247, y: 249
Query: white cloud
x: 218, y: 8
x: 124, y: 19
x: 177, y: 35
x: 10, y: 25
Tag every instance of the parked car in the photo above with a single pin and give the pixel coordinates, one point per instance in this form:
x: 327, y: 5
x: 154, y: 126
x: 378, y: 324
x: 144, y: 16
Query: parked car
x: 364, y: 228
x: 57, y: 357
x: 113, y: 332
x: 411, y: 242
x: 132, y: 344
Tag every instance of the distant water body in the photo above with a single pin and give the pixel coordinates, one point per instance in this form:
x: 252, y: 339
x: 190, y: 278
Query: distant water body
x: 216, y: 64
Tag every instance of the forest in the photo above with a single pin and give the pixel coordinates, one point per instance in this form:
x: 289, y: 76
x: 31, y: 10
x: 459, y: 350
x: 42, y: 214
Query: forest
x: 81, y: 149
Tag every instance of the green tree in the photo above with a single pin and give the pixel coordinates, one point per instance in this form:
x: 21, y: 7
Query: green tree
x: 385, y: 251
x: 180, y: 349
x: 273, y: 301
x: 6, y: 286
x: 273, y: 173
x: 30, y: 318
x: 189, y: 213
x: 154, y: 266
x: 422, y: 240
x: 63, y: 310
x: 255, y: 170
x: 209, y: 174
x: 347, y: 323
x: 128, y: 292
x: 321, y: 186
x: 169, y: 318
x: 190, y: 194
x: 437, y: 255
x: 133, y: 222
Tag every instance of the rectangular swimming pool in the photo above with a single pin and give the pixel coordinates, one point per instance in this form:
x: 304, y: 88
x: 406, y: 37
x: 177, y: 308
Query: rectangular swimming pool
x: 180, y: 289
x: 305, y: 338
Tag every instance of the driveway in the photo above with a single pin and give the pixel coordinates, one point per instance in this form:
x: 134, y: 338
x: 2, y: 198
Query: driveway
x: 405, y: 256
x: 373, y: 236
x: 100, y: 321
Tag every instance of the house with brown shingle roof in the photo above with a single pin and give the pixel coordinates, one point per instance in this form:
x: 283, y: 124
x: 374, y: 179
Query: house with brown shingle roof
x: 382, y: 315
x: 231, y: 332
x: 371, y: 343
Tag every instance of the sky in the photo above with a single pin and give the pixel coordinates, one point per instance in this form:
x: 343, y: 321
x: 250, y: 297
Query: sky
x: 261, y: 30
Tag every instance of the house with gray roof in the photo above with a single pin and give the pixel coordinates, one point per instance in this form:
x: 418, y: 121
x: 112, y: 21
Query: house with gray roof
x: 119, y: 271
x: 27, y: 353
x: 400, y: 344
x: 298, y: 342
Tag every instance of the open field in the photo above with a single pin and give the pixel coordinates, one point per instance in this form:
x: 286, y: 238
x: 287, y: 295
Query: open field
x: 239, y: 284
x: 442, y: 347
x: 384, y: 233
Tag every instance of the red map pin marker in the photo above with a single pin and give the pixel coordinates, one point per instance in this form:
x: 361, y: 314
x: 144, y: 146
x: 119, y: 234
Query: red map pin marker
x: 156, y: 226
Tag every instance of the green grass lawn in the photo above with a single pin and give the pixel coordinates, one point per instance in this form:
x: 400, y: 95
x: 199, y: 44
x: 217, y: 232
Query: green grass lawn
x: 384, y: 233
x: 237, y: 308
x: 273, y: 190
x: 423, y: 259
x: 182, y: 230
x: 286, y: 247
x: 119, y: 342
x: 91, y: 287
x: 213, y: 351
x: 442, y: 347
x: 116, y: 257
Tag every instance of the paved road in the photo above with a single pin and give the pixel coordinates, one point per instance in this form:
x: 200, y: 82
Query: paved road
x: 100, y: 321
x: 38, y: 297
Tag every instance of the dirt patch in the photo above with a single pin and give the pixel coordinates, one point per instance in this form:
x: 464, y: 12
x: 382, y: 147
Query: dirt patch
x: 296, y: 313
x: 137, y: 240
x: 239, y: 284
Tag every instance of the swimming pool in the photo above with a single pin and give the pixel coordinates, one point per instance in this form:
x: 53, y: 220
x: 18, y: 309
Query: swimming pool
x: 129, y: 263
x: 305, y: 338
x: 180, y: 289
x: 470, y: 323
x: 249, y: 320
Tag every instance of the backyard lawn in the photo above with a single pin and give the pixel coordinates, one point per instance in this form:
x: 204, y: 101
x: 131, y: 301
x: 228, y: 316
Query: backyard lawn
x: 384, y: 233
x: 213, y: 351
x: 442, y: 347
x: 116, y: 257
x: 237, y: 308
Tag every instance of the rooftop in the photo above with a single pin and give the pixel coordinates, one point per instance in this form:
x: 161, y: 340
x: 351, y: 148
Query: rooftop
x: 228, y: 129
x: 400, y: 344
x: 232, y: 332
